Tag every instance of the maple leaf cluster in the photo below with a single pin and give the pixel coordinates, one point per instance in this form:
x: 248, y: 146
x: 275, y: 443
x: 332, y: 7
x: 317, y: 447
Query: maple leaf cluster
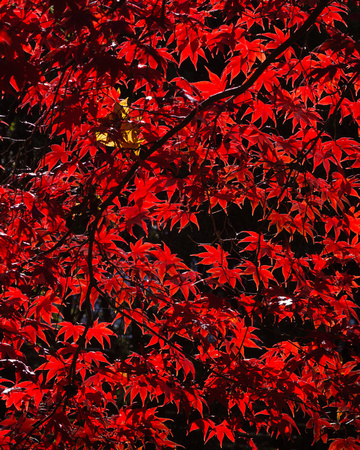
x: 179, y: 224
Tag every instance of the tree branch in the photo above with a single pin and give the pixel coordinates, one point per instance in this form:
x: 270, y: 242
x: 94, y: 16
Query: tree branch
x: 231, y: 92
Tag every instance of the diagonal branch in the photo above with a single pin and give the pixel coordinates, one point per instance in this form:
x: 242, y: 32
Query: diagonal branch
x: 227, y: 93
x: 231, y: 92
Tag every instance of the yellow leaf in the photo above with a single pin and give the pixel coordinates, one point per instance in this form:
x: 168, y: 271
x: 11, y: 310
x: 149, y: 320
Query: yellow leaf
x: 123, y: 133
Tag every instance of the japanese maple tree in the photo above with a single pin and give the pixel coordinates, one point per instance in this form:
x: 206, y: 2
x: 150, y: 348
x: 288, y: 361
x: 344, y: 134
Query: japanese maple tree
x: 179, y: 227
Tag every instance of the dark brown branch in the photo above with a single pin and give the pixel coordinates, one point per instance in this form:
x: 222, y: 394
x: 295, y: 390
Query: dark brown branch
x: 227, y: 93
x: 231, y: 92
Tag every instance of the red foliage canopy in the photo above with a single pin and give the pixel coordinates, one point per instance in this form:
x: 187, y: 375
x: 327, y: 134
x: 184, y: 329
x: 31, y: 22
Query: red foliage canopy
x: 179, y: 228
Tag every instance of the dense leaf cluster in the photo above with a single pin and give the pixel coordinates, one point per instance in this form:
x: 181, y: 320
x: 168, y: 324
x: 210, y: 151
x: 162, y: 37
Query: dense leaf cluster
x: 179, y: 223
